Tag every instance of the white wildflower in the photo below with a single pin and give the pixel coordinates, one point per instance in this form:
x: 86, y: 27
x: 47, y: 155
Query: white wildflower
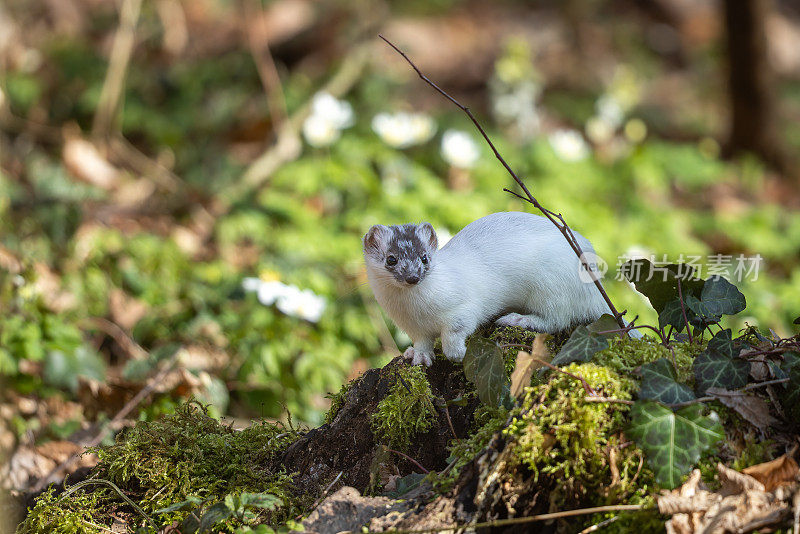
x: 459, y: 149
x: 319, y: 131
x: 289, y: 299
x: 338, y: 112
x: 599, y: 131
x: 329, y: 116
x: 609, y: 110
x: 569, y: 145
x: 402, y: 130
x: 269, y: 292
x: 304, y: 304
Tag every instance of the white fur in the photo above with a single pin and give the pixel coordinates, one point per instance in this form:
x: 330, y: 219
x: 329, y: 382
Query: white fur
x: 516, y: 266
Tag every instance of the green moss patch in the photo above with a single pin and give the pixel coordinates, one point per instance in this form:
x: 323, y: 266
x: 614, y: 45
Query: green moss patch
x: 406, y: 411
x: 188, y: 457
x: 557, y: 433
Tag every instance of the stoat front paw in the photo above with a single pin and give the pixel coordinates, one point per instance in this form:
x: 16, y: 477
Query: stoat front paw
x: 418, y: 357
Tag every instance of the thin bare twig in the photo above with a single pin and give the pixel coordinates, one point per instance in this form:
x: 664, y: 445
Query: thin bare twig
x: 119, y: 335
x: 323, y: 494
x: 599, y: 525
x: 410, y: 459
x: 441, y: 403
x: 683, y: 311
x: 105, y: 118
x: 556, y: 219
x: 288, y: 145
x: 129, y: 406
x: 734, y: 392
x: 257, y: 39
x: 530, y: 519
x: 102, y: 482
x: 586, y: 387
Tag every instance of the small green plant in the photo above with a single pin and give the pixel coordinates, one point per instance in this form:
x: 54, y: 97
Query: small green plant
x: 406, y: 411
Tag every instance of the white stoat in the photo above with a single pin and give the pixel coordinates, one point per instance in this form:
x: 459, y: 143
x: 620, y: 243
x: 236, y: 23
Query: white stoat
x: 515, y: 266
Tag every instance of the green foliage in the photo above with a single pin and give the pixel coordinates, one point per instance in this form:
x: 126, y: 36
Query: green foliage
x: 237, y: 508
x: 78, y: 513
x: 406, y: 411
x: 660, y: 383
x: 190, y: 454
x: 673, y: 441
x: 627, y: 354
x: 565, y: 437
x: 580, y: 347
x: 337, y: 400
x: 714, y: 370
x: 484, y: 366
x: 488, y: 420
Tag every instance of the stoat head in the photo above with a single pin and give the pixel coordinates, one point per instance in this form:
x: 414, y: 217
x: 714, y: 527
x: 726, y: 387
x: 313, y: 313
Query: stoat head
x: 400, y: 255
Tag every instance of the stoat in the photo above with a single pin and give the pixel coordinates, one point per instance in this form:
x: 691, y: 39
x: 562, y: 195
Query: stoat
x: 514, y: 268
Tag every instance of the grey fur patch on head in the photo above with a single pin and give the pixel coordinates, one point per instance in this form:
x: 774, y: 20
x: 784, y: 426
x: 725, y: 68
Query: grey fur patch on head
x: 404, y: 250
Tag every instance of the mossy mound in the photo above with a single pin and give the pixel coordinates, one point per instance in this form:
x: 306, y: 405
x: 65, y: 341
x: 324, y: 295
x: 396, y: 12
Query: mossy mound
x: 185, y: 456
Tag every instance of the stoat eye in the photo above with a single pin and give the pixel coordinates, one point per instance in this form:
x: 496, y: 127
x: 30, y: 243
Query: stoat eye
x: 424, y: 258
x: 391, y: 260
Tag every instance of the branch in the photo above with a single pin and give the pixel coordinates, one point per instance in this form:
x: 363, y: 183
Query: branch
x: 518, y: 520
x: 107, y: 112
x: 288, y: 145
x: 554, y: 218
x: 129, y: 406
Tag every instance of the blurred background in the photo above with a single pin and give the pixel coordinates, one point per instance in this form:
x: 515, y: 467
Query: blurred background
x: 184, y: 184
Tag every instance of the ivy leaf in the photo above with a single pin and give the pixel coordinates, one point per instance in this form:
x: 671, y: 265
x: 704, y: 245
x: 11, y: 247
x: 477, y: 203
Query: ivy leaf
x: 484, y: 366
x: 722, y: 343
x: 604, y: 323
x: 721, y: 297
x: 790, y: 397
x: 660, y: 283
x: 673, y: 441
x: 580, y: 347
x: 265, y: 501
x: 188, y: 504
x: 701, y: 311
x: 660, y: 383
x: 713, y: 370
x: 672, y: 315
x: 406, y: 484
x: 216, y: 513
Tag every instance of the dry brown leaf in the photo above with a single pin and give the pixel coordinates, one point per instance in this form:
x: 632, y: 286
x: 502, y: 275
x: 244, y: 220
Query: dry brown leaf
x: 741, y: 505
x: 125, y: 310
x: 752, y: 408
x: 527, y: 363
x: 84, y: 161
x: 734, y: 482
x: 775, y: 473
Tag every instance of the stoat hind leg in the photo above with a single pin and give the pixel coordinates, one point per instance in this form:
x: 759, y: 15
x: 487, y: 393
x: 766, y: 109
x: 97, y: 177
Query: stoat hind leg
x: 531, y: 322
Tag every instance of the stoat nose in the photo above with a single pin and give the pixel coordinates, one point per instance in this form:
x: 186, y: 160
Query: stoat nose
x: 413, y: 279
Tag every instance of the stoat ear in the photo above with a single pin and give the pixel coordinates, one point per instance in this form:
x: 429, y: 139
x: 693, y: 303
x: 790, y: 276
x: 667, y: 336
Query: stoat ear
x: 427, y: 235
x: 374, y: 237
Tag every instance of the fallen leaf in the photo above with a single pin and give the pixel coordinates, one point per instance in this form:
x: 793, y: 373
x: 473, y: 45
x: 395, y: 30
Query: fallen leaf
x: 753, y: 409
x: 527, y: 363
x: 741, y: 505
x: 85, y: 162
x: 780, y: 471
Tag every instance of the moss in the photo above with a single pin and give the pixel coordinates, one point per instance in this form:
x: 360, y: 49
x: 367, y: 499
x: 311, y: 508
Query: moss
x: 626, y: 354
x: 406, y: 411
x: 78, y: 513
x: 190, y: 453
x: 557, y: 434
x: 337, y: 401
x: 487, y: 422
